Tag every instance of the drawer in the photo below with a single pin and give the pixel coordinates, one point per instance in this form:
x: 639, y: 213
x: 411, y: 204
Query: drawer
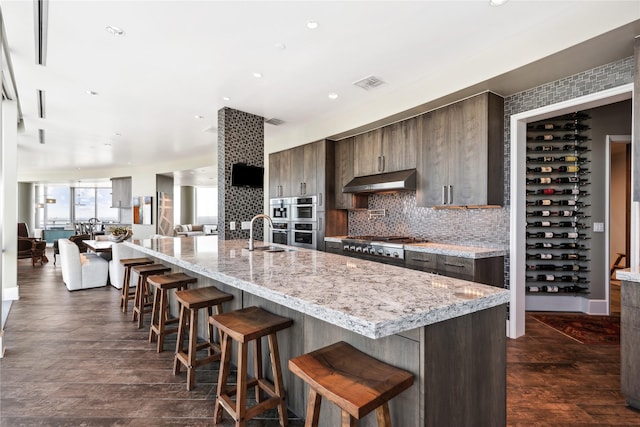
x: 421, y: 261
x: 461, y: 268
x: 333, y: 247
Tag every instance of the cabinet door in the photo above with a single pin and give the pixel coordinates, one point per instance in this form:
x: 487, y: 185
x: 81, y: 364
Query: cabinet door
x: 297, y: 170
x: 399, y: 142
x: 303, y: 170
x: 469, y: 158
x: 367, y: 152
x: 343, y: 174
x: 279, y: 174
x: 433, y: 161
x: 323, y: 150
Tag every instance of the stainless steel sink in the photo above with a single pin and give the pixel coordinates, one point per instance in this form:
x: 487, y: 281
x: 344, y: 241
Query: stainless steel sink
x: 271, y: 249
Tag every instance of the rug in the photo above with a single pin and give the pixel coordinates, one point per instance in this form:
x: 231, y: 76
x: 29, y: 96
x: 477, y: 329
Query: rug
x: 583, y: 328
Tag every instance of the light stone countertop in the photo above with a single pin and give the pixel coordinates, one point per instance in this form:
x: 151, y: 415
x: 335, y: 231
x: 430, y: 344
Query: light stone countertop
x: 629, y: 274
x: 372, y: 299
x: 445, y: 249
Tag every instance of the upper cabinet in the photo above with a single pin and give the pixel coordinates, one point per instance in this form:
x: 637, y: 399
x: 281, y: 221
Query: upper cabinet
x: 391, y: 148
x: 280, y: 174
x: 343, y: 174
x: 121, y: 192
x: 460, y: 157
x: 304, y: 168
x: 301, y: 171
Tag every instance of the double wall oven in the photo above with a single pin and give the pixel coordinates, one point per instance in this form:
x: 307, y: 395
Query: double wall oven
x: 295, y: 221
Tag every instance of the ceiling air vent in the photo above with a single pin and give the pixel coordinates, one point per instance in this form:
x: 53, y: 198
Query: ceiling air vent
x: 41, y: 136
x: 370, y: 82
x: 274, y: 121
x: 40, y: 101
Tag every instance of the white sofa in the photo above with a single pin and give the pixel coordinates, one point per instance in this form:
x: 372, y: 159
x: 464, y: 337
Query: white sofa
x: 81, y: 271
x: 119, y: 251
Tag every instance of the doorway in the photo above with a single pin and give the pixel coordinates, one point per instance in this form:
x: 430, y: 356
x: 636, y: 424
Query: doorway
x: 517, y: 216
x: 619, y: 213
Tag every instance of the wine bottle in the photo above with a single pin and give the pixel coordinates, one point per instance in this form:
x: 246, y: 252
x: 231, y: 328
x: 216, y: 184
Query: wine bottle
x: 576, y: 126
x: 544, y: 245
x: 573, y: 267
x: 545, y: 278
x: 567, y: 224
x: 540, y: 169
x: 540, y: 213
x: 567, y: 203
x: 548, y: 137
x: 570, y: 235
x: 574, y: 137
x: 541, y: 224
x: 533, y: 289
x: 547, y: 191
x: 570, y: 256
x: 571, y: 168
x: 567, y: 213
x: 574, y: 148
x: 545, y: 148
x: 569, y: 159
x: 539, y: 181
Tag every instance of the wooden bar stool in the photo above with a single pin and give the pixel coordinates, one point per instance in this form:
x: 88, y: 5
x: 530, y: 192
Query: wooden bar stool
x: 243, y: 326
x: 126, y: 294
x: 160, y: 316
x: 191, y: 301
x: 354, y: 381
x: 141, y: 301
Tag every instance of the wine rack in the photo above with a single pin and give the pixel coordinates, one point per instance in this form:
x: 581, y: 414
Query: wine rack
x: 557, y: 205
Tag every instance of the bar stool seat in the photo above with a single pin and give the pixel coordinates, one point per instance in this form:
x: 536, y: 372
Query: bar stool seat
x: 191, y: 301
x: 142, y: 303
x: 160, y: 316
x: 127, y: 294
x: 354, y: 381
x: 243, y: 326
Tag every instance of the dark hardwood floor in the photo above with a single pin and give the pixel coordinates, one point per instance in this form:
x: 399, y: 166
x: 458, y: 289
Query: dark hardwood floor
x: 74, y: 359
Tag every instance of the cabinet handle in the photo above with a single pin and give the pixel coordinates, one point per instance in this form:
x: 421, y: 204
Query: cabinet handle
x: 305, y: 188
x: 319, y: 199
x: 420, y: 260
x: 444, y: 194
x: 379, y: 163
x: 454, y: 265
x: 451, y: 194
x: 383, y: 165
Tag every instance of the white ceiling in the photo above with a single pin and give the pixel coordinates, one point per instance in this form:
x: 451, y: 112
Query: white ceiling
x: 179, y: 59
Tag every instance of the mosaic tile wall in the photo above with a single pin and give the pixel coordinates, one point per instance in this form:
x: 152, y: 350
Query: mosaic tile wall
x: 240, y: 140
x: 475, y: 227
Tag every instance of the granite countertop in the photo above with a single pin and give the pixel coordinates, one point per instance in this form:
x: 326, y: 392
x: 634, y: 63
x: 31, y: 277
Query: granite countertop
x: 445, y: 249
x: 369, y: 298
x: 629, y: 274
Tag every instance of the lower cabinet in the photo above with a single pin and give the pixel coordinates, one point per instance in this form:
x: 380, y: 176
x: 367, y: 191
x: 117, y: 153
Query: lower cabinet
x: 489, y: 271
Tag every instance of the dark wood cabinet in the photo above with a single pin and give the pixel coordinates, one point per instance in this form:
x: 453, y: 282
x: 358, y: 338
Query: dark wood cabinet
x: 280, y: 174
x: 461, y: 154
x: 305, y: 163
x: 489, y: 271
x: 121, y: 192
x: 343, y: 174
x: 391, y: 148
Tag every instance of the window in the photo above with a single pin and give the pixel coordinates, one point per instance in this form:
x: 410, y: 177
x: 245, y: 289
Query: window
x: 206, y: 205
x: 58, y: 212
x: 88, y: 202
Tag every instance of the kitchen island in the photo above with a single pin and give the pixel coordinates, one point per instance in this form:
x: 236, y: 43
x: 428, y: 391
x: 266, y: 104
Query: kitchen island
x: 630, y: 334
x: 448, y: 332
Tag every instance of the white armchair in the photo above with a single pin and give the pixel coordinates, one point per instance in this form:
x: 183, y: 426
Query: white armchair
x: 119, y: 251
x: 81, y: 271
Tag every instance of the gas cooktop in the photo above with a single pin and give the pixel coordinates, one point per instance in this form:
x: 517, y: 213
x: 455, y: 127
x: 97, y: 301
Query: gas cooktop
x: 382, y: 247
x: 391, y: 239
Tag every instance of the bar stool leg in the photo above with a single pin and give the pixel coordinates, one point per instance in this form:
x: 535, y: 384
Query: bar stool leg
x: 313, y: 409
x: 136, y: 300
x: 257, y: 366
x: 180, y: 341
x: 241, y: 393
x: 124, y: 297
x: 222, y: 376
x: 193, y: 349
x: 277, y: 378
x: 157, y: 313
x: 383, y: 415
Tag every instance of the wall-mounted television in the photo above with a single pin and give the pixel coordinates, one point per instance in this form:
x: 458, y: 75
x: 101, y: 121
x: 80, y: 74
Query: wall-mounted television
x: 243, y: 175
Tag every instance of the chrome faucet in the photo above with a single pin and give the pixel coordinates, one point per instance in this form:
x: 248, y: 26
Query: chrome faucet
x: 265, y: 216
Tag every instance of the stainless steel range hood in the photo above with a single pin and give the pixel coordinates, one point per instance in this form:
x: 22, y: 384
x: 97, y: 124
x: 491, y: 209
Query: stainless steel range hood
x: 392, y: 181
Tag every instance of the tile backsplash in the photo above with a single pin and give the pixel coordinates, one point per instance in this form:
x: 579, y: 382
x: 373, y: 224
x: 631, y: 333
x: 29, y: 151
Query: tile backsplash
x: 473, y: 227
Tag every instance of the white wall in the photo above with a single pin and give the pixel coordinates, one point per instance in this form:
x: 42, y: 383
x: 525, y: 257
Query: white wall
x: 10, y: 201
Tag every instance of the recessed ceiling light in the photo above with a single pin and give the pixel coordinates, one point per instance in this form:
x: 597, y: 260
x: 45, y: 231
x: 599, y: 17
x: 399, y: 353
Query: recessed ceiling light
x: 107, y: 144
x: 90, y: 92
x: 114, y: 31
x: 226, y: 98
x: 117, y: 134
x: 333, y: 95
x: 257, y: 75
x: 199, y: 117
x: 497, y: 2
x: 312, y: 25
x: 280, y: 46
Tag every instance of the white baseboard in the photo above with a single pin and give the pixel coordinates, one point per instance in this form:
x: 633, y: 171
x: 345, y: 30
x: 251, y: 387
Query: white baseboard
x: 568, y: 303
x: 10, y: 294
